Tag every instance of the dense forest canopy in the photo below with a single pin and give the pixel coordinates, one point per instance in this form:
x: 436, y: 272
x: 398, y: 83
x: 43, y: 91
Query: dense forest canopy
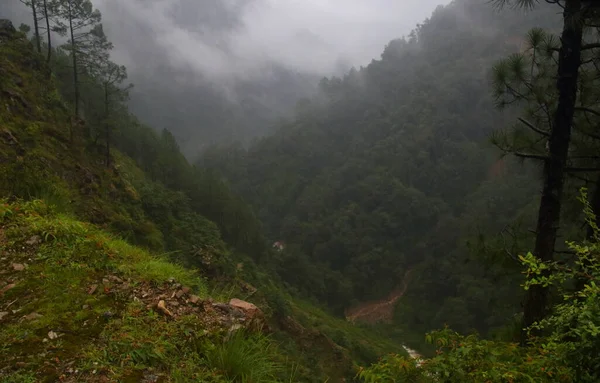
x: 450, y: 184
x: 390, y: 169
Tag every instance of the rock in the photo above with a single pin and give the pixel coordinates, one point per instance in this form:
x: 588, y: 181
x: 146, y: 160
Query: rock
x: 179, y: 294
x: 18, y: 266
x: 246, y: 287
x: 33, y: 240
x: 6, y: 288
x: 186, y: 290
x: 52, y: 335
x: 248, y: 308
x: 7, y: 28
x: 92, y: 289
x: 223, y: 307
x: 194, y: 299
x: 32, y: 316
x: 3, y: 314
x: 8, y: 137
x: 163, y: 308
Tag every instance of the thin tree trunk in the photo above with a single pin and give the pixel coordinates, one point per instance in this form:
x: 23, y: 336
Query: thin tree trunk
x: 49, y: 35
x: 536, y: 300
x: 107, y: 125
x: 36, y: 28
x: 74, y: 57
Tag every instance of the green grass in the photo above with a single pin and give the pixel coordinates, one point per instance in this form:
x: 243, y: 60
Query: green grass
x: 365, y: 343
x: 245, y: 359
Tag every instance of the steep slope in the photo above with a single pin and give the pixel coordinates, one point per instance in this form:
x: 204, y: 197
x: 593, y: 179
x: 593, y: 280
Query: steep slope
x: 124, y: 273
x: 390, y: 169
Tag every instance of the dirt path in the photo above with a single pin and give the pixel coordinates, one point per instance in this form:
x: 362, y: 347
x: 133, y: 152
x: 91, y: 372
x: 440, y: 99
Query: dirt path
x: 381, y: 310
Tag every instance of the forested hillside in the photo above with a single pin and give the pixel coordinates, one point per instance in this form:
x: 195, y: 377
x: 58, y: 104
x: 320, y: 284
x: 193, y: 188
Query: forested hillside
x: 119, y: 259
x: 391, y: 169
x: 444, y: 197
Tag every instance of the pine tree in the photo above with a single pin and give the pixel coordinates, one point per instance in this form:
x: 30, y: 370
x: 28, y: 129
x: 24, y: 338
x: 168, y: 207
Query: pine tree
x: 79, y: 19
x: 33, y: 4
x: 552, y: 120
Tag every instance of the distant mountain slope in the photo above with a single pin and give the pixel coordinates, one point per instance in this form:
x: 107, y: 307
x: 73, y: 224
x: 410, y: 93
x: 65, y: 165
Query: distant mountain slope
x: 389, y: 168
x: 125, y: 272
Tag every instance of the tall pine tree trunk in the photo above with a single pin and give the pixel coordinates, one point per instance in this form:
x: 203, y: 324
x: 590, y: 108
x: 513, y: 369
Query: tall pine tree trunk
x: 49, y: 35
x: 536, y: 300
x: 36, y: 27
x: 74, y: 57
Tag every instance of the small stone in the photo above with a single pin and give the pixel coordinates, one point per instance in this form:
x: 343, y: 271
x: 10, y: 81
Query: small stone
x: 92, y: 289
x: 33, y: 240
x: 179, y: 294
x: 52, y: 335
x: 174, y: 303
x: 194, y: 299
x: 18, y: 266
x: 85, y: 307
x: 32, y: 316
x: 163, y: 307
x: 186, y: 290
x: 6, y: 288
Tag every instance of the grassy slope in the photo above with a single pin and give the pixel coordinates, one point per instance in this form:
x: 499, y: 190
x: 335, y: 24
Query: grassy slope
x: 73, y: 242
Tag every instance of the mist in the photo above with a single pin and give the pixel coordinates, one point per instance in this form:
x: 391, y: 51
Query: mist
x: 244, y: 38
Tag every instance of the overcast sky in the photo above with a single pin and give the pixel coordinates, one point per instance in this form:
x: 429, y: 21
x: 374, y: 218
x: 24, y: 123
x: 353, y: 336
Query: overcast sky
x: 225, y: 38
x: 307, y: 35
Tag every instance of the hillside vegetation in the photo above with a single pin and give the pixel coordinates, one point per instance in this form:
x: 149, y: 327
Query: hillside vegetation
x: 125, y: 272
x: 390, y: 169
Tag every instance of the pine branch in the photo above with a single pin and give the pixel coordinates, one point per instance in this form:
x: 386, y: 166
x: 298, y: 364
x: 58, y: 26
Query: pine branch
x: 589, y: 46
x: 532, y: 127
x: 531, y: 155
x: 588, y: 110
x: 582, y: 169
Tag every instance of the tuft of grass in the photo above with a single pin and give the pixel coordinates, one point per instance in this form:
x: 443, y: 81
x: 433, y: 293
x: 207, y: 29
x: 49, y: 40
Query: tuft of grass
x: 19, y: 377
x: 245, y: 358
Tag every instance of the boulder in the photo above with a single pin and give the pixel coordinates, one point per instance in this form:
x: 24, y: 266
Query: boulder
x: 250, y: 310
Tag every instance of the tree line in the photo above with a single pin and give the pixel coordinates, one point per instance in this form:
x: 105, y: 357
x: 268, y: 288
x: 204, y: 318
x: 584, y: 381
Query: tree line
x: 88, y: 49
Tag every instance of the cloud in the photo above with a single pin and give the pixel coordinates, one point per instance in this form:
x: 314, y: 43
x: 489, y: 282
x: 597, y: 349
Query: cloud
x: 221, y: 39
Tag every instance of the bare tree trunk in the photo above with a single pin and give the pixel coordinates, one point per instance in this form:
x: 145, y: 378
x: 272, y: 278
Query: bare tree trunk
x: 36, y: 28
x: 74, y: 57
x: 536, y: 300
x: 49, y: 35
x: 107, y: 124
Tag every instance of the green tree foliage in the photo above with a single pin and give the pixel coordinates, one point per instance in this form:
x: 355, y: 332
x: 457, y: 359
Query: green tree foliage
x: 566, y: 353
x: 547, y: 79
x: 81, y: 21
x: 388, y: 169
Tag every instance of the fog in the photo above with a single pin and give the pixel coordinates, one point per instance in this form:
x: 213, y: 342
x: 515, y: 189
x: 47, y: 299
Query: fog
x: 221, y: 70
x: 240, y: 38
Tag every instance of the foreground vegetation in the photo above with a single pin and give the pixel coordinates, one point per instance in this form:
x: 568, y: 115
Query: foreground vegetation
x: 567, y: 352
x: 83, y: 240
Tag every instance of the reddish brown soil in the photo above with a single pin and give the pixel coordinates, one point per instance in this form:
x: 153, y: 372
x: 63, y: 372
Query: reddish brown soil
x: 381, y: 310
